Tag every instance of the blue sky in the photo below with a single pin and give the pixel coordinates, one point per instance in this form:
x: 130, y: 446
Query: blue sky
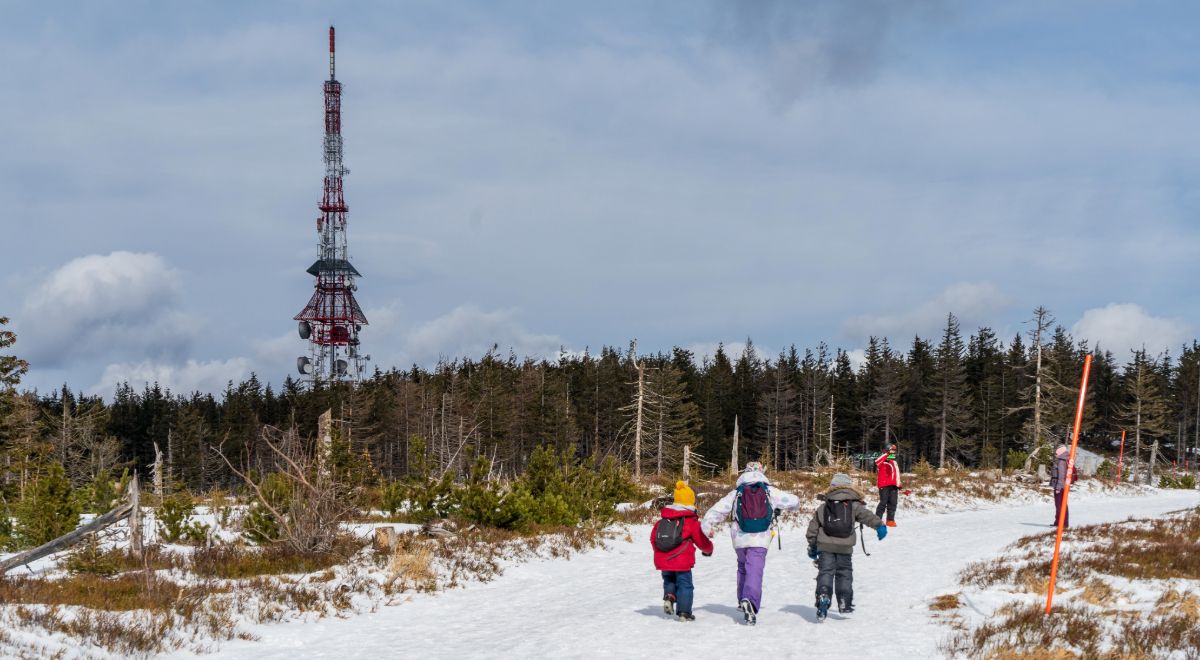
x: 546, y: 174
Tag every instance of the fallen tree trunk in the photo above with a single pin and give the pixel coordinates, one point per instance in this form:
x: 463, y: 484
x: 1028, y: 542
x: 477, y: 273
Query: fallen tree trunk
x: 67, y: 540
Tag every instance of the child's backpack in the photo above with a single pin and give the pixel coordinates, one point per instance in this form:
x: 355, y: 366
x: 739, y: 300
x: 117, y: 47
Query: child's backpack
x: 668, y: 535
x: 839, y: 518
x: 753, y: 508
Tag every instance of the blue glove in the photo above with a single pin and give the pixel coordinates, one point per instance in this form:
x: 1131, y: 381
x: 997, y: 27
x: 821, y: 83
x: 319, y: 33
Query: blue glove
x: 881, y: 531
x: 812, y: 552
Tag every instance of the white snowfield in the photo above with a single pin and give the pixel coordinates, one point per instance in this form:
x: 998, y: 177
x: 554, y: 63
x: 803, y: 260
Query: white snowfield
x: 607, y: 603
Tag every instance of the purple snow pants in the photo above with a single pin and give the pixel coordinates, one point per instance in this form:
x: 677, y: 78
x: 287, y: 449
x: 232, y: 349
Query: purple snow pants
x: 750, y: 573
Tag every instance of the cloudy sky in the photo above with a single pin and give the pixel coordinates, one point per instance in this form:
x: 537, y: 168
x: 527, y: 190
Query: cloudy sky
x: 546, y: 174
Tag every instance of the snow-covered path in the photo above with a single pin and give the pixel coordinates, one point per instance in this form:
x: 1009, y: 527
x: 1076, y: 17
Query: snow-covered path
x: 606, y: 603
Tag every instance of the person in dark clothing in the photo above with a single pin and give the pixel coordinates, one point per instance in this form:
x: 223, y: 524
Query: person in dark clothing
x: 1059, y: 480
x: 831, y: 539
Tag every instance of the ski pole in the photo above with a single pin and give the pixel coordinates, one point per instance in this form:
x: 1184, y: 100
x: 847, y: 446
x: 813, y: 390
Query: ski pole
x: 863, y: 538
x: 778, y: 534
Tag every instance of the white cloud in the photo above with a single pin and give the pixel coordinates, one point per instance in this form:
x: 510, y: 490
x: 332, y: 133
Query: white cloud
x: 471, y: 331
x: 116, y: 305
x: 1120, y: 327
x: 858, y: 357
x: 973, y: 303
x: 210, y: 376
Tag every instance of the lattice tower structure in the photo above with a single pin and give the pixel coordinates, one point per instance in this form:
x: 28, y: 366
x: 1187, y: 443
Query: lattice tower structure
x: 332, y: 318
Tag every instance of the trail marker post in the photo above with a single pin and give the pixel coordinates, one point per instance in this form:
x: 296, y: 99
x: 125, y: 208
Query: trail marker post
x: 1062, y: 512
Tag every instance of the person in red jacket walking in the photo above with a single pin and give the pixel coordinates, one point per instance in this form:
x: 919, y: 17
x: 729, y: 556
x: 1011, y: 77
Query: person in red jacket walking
x: 887, y: 478
x: 675, y: 538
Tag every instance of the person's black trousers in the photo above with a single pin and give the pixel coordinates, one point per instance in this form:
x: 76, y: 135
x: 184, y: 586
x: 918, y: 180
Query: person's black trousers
x: 836, y: 576
x: 889, y: 497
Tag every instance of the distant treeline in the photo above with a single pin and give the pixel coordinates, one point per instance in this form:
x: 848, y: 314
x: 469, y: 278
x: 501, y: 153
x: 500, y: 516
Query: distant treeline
x: 978, y: 401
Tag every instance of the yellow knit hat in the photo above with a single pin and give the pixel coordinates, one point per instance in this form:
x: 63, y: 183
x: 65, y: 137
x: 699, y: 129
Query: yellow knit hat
x: 684, y: 495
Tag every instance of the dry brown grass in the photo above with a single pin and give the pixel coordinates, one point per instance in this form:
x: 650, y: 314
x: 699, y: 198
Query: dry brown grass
x: 120, y: 593
x: 233, y: 562
x: 1099, y: 593
x: 983, y: 574
x: 1161, y: 549
x: 946, y: 602
x: 136, y: 636
x: 410, y: 566
x: 1025, y: 631
x: 1181, y: 602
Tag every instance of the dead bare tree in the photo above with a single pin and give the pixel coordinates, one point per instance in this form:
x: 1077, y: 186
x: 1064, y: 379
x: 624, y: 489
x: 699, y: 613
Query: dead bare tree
x: 311, y: 513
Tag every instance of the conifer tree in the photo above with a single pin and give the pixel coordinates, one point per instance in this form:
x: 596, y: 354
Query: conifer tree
x: 883, y: 384
x: 949, y: 406
x: 1145, y: 407
x: 778, y: 416
x: 674, y: 419
x: 984, y: 369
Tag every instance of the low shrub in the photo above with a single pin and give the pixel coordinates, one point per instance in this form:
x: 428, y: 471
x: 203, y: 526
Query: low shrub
x: 49, y: 509
x: 556, y: 489
x: 260, y: 525
x: 6, y: 525
x: 88, y: 558
x: 1186, y: 482
x: 233, y: 562
x: 121, y: 593
x: 173, y: 520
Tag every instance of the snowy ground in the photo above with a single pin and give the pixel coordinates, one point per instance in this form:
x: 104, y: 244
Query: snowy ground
x: 606, y: 602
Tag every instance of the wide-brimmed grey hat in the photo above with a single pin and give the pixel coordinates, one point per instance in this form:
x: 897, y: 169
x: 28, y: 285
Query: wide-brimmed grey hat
x: 841, y: 479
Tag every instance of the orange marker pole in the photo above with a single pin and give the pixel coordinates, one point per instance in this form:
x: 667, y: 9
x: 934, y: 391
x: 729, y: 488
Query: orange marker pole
x: 1062, y: 514
x: 1121, y: 457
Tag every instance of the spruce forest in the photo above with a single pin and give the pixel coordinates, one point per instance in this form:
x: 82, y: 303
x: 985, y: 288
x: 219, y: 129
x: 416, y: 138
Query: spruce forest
x: 969, y: 400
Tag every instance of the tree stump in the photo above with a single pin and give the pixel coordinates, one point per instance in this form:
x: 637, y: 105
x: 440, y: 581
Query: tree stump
x: 385, y: 539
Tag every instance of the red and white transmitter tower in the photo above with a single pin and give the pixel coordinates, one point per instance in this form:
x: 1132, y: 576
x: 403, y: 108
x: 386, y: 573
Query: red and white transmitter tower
x: 332, y: 318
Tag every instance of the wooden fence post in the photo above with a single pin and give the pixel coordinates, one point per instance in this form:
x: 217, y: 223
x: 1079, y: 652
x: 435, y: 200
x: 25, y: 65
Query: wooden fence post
x: 135, y: 518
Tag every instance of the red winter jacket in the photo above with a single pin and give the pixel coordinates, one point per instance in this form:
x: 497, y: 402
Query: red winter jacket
x: 682, y: 558
x: 887, y: 473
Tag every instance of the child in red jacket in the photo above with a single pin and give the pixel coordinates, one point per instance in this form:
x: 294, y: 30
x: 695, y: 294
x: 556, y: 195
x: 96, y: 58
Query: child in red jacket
x: 675, y: 538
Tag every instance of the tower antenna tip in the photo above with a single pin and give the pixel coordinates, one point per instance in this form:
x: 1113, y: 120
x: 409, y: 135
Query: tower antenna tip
x: 331, y: 38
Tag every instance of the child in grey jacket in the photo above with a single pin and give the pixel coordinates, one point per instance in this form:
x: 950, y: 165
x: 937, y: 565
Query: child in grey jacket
x: 831, y: 540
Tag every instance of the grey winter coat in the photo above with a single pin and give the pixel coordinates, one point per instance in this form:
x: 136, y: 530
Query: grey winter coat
x: 844, y: 546
x: 1058, y: 473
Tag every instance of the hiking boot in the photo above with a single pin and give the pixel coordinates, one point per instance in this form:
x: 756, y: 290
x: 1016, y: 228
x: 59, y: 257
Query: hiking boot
x: 686, y: 616
x: 748, y: 612
x: 669, y: 604
x: 891, y: 523
x: 845, y: 607
x: 822, y: 607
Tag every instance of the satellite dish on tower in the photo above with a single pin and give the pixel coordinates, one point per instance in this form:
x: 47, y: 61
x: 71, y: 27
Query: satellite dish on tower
x: 305, y: 329
x: 304, y: 366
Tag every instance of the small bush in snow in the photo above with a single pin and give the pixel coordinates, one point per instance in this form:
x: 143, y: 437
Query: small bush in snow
x: 49, y: 509
x: 1187, y: 482
x: 174, y: 522
x: 6, y: 525
x: 88, y: 558
x: 260, y: 525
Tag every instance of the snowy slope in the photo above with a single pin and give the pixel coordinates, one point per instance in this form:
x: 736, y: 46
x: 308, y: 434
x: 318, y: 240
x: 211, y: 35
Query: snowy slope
x: 606, y: 603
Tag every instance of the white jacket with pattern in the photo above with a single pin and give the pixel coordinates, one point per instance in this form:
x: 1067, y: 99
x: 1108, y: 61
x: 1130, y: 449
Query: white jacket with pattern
x: 723, y: 510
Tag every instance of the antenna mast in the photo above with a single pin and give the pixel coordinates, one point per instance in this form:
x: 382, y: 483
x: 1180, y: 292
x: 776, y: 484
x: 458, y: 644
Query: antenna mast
x: 332, y: 318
